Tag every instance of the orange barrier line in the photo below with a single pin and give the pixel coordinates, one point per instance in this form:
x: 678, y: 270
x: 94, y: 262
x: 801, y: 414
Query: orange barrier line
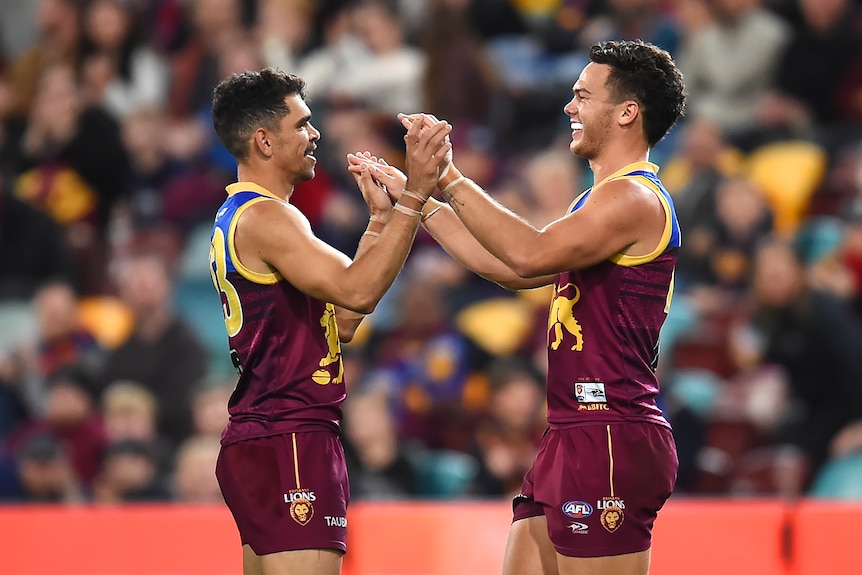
x: 692, y: 536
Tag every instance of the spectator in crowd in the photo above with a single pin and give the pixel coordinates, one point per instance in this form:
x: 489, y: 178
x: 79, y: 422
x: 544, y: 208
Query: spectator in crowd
x: 209, y: 408
x: 59, y: 42
x: 632, y: 20
x: 120, y: 72
x: 377, y: 460
x: 74, y: 167
x: 811, y: 335
x: 388, y: 76
x: 811, y: 67
x: 743, y: 220
x: 130, y: 414
x: 107, y: 151
x: 71, y: 417
x: 696, y: 172
x: 426, y: 363
x: 194, y: 480
x: 730, y: 65
x: 455, y: 56
x: 508, y: 435
x: 163, y: 353
x: 130, y: 473
x: 216, y: 25
x: 45, y: 474
x: 63, y: 341
x: 32, y: 247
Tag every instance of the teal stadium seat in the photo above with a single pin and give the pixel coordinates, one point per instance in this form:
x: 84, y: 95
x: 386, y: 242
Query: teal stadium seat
x: 18, y: 325
x: 444, y: 474
x: 840, y: 479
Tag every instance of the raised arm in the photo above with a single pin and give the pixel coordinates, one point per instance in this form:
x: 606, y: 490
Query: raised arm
x: 276, y: 236
x: 445, y: 227
x: 380, y: 208
x: 449, y: 231
x: 619, y: 217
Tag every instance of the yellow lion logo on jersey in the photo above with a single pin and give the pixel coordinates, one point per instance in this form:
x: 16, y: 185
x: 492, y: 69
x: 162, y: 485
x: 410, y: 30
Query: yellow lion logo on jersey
x: 333, y: 355
x: 562, y: 316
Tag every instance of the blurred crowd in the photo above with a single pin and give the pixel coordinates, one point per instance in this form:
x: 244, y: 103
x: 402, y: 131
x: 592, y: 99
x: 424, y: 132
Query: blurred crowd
x: 114, y: 369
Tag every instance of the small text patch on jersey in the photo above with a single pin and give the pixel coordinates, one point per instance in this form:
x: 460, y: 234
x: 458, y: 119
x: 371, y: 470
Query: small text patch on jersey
x: 591, y: 392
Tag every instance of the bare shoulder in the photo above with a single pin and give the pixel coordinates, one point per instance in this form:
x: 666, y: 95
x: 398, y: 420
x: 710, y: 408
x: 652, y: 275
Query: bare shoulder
x: 629, y: 199
x: 269, y: 218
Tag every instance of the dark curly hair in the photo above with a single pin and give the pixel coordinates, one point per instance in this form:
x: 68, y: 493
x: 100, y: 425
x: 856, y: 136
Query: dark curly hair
x: 244, y: 102
x: 646, y: 74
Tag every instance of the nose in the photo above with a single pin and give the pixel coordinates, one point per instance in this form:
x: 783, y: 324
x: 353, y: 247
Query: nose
x: 569, y: 109
x: 315, y: 133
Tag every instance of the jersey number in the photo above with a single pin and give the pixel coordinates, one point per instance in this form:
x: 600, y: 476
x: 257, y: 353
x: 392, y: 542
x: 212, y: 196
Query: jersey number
x: 218, y: 269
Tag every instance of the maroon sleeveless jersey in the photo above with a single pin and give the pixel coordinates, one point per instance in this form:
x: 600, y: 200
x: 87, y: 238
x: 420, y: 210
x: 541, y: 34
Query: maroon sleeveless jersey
x: 604, y: 325
x: 283, y: 343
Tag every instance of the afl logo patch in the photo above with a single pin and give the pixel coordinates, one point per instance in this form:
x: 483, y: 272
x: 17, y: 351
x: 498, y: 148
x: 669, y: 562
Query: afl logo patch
x: 301, y: 510
x: 577, y: 509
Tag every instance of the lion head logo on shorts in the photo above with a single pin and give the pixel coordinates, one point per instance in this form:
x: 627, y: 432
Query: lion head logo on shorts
x: 612, y: 517
x: 301, y: 510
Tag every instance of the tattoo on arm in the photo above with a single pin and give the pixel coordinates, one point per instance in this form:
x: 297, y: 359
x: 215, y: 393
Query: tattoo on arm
x: 452, y: 200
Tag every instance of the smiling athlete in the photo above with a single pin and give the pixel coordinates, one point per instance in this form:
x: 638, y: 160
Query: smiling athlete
x: 288, y: 300
x: 608, y: 461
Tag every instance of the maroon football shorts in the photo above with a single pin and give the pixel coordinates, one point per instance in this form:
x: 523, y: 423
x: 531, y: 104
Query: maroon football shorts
x: 600, y: 486
x: 287, y: 492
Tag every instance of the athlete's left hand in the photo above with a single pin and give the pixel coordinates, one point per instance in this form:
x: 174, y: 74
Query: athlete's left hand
x: 373, y: 192
x: 390, y: 178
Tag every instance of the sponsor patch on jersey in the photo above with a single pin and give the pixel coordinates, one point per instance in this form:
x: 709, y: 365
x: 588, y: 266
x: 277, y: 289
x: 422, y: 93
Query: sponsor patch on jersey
x: 590, y: 392
x: 579, y: 528
x: 577, y: 509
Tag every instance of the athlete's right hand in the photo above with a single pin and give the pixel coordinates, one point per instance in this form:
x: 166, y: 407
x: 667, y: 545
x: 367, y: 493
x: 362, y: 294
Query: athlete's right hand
x: 428, y: 150
x: 428, y: 120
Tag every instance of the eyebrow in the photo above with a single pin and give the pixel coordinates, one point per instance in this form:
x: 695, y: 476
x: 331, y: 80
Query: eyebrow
x: 581, y: 90
x: 304, y: 120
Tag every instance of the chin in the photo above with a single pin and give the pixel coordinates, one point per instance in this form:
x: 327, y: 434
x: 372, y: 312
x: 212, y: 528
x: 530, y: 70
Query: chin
x: 307, y: 175
x: 579, y: 150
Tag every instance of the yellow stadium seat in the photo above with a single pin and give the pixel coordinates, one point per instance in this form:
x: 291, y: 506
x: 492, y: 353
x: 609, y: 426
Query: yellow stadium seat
x: 499, y: 326
x: 787, y: 173
x: 107, y: 318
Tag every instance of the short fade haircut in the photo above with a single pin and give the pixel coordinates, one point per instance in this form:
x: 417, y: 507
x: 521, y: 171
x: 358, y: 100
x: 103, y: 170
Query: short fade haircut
x: 244, y: 102
x: 646, y: 74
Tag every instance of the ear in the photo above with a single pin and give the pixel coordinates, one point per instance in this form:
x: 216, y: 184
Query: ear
x: 630, y: 112
x: 262, y: 142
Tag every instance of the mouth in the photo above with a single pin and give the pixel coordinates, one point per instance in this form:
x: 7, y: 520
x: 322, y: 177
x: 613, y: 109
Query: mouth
x: 309, y: 153
x: 576, y: 127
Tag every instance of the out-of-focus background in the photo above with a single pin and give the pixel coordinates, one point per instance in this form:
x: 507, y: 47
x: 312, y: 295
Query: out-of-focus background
x: 114, y: 371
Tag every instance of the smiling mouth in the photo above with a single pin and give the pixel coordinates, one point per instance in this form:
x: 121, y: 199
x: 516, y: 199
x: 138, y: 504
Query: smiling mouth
x: 577, y: 126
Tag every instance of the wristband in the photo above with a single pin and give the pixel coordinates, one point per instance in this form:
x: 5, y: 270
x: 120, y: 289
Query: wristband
x: 399, y: 207
x: 414, y: 195
x: 425, y: 217
x: 454, y: 183
x: 444, y: 172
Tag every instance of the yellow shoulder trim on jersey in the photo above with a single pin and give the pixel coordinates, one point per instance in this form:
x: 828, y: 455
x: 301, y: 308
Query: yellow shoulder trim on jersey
x: 630, y: 261
x: 250, y: 187
x: 623, y: 172
x: 252, y: 276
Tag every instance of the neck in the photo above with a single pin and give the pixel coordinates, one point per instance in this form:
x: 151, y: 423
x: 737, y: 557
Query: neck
x: 615, y: 157
x: 266, y: 179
